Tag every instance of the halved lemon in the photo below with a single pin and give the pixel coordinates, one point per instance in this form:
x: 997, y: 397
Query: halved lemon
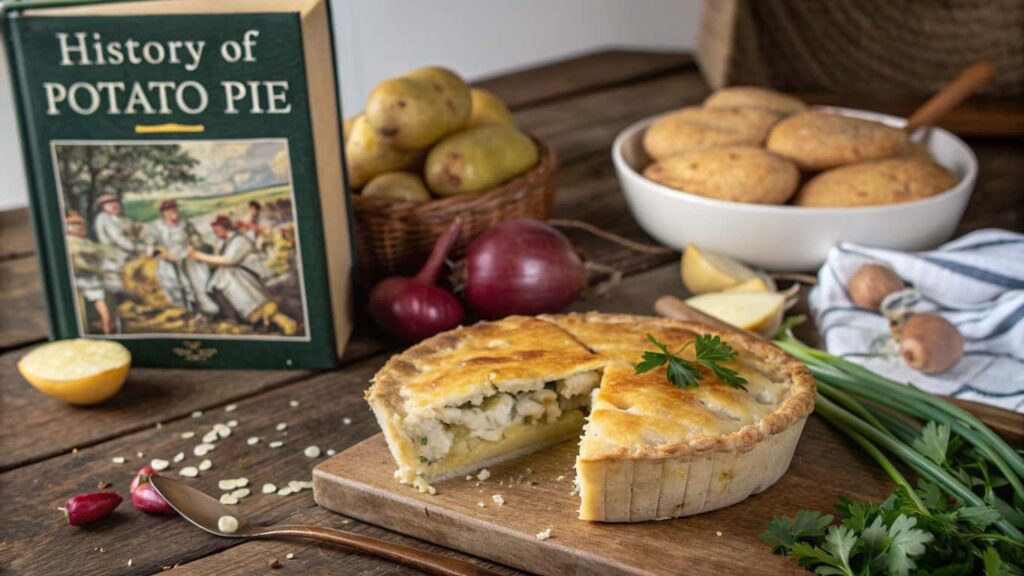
x: 79, y: 371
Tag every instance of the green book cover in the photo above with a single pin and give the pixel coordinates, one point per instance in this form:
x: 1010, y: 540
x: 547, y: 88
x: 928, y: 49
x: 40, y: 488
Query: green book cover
x: 176, y: 194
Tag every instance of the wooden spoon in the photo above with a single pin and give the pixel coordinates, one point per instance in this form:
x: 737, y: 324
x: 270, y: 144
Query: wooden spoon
x: 951, y: 95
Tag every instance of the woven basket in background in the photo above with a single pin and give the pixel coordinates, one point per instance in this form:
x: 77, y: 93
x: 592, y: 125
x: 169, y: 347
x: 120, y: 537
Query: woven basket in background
x: 396, y: 237
x: 880, y: 49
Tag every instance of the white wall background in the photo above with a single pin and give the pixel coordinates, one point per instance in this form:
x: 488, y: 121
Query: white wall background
x: 377, y: 39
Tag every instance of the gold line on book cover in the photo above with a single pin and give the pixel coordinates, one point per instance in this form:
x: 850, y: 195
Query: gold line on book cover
x: 169, y: 128
x: 190, y: 238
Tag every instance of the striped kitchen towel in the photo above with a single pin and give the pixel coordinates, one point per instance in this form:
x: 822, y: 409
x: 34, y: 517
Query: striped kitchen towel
x: 976, y: 282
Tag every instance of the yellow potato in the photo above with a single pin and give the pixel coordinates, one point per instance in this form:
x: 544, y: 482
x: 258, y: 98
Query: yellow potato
x: 408, y: 113
x: 709, y: 271
x: 347, y: 126
x: 759, y: 312
x: 478, y: 159
x: 79, y: 371
x: 488, y: 109
x: 397, y: 186
x: 453, y: 90
x: 368, y: 155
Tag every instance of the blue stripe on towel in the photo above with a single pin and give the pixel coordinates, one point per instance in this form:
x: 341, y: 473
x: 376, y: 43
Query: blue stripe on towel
x: 987, y: 244
x: 968, y: 388
x: 979, y: 274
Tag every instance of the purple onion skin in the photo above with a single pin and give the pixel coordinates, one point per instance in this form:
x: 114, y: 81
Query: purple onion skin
x: 522, y: 266
x: 411, y: 310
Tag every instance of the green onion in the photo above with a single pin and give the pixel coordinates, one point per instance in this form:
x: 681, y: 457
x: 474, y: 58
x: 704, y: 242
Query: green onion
x: 880, y: 414
x: 859, y: 381
x: 923, y: 466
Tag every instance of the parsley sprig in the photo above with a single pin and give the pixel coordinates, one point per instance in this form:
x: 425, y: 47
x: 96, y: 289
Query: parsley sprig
x: 709, y: 351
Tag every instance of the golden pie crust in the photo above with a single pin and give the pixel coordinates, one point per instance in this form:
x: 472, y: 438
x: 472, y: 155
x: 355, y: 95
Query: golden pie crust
x: 649, y: 450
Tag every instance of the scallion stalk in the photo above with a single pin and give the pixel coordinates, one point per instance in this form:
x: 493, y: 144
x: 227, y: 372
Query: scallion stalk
x: 920, y: 464
x: 861, y: 382
x: 908, y: 392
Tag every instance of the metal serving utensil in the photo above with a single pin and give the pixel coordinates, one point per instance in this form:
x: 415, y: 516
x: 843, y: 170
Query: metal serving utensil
x: 205, y: 512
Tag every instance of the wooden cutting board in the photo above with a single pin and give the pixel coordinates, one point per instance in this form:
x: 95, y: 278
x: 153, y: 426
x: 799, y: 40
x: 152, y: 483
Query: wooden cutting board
x: 537, y: 491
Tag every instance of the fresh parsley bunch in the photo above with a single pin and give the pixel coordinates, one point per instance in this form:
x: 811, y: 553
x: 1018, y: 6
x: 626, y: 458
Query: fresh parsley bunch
x: 894, y: 538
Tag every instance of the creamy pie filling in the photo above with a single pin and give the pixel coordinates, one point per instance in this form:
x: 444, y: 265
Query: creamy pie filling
x: 440, y: 435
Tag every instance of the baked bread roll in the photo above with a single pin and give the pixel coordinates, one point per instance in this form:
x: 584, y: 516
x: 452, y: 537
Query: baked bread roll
x: 696, y: 128
x: 819, y: 140
x: 736, y: 173
x: 889, y: 181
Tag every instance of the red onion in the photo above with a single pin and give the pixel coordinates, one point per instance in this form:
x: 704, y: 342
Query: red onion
x: 145, y: 497
x: 415, y: 308
x: 522, y: 267
x: 88, y: 508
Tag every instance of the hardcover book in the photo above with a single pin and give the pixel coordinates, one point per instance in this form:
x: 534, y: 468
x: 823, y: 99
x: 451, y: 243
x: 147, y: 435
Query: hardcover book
x: 187, y: 178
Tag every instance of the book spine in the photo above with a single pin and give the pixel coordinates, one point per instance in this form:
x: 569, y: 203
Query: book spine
x: 39, y: 202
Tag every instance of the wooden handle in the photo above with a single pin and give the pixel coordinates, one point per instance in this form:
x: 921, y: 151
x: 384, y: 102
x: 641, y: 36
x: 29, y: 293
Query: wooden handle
x: 429, y: 562
x: 974, y: 77
x: 672, y: 307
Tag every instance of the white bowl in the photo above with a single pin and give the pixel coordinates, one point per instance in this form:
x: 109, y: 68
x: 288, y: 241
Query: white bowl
x: 791, y: 237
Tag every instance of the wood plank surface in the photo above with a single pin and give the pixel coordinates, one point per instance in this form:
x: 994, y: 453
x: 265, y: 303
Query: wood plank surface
x: 30, y: 522
x: 564, y: 78
x: 976, y: 117
x: 15, y: 233
x: 537, y: 491
x: 22, y: 304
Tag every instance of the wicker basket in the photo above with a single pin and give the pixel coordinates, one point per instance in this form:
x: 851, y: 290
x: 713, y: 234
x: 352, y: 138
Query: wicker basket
x: 878, y: 49
x: 396, y: 237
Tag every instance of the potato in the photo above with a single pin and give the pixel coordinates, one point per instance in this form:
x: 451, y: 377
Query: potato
x: 488, y: 109
x: 479, y: 158
x: 347, y: 126
x: 408, y: 113
x: 397, y: 186
x: 367, y: 155
x: 453, y: 90
x: 709, y: 271
x: 759, y: 312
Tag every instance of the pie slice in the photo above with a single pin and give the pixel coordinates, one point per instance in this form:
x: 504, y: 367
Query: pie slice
x: 481, y: 394
x: 650, y: 450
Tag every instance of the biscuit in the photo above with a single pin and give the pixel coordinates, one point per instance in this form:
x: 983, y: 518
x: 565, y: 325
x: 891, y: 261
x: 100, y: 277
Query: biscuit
x: 736, y: 173
x: 888, y: 181
x: 696, y: 128
x: 818, y: 140
x: 754, y: 97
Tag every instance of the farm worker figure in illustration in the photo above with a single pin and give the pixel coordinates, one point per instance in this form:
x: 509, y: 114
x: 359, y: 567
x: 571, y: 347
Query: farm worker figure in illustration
x: 119, y: 237
x: 238, y: 277
x: 87, y: 262
x: 184, y: 281
x: 255, y: 227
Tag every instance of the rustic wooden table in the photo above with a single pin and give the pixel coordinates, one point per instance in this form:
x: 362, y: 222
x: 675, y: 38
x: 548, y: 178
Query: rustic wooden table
x: 49, y: 450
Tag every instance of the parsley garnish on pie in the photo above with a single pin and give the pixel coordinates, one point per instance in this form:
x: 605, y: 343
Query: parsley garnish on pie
x: 709, y: 352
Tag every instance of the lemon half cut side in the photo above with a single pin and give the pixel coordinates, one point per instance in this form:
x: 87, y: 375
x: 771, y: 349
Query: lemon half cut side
x: 79, y: 371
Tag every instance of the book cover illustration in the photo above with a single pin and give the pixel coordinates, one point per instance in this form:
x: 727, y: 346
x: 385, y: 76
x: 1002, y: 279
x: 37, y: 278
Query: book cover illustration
x: 185, y: 171
x: 182, y: 238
